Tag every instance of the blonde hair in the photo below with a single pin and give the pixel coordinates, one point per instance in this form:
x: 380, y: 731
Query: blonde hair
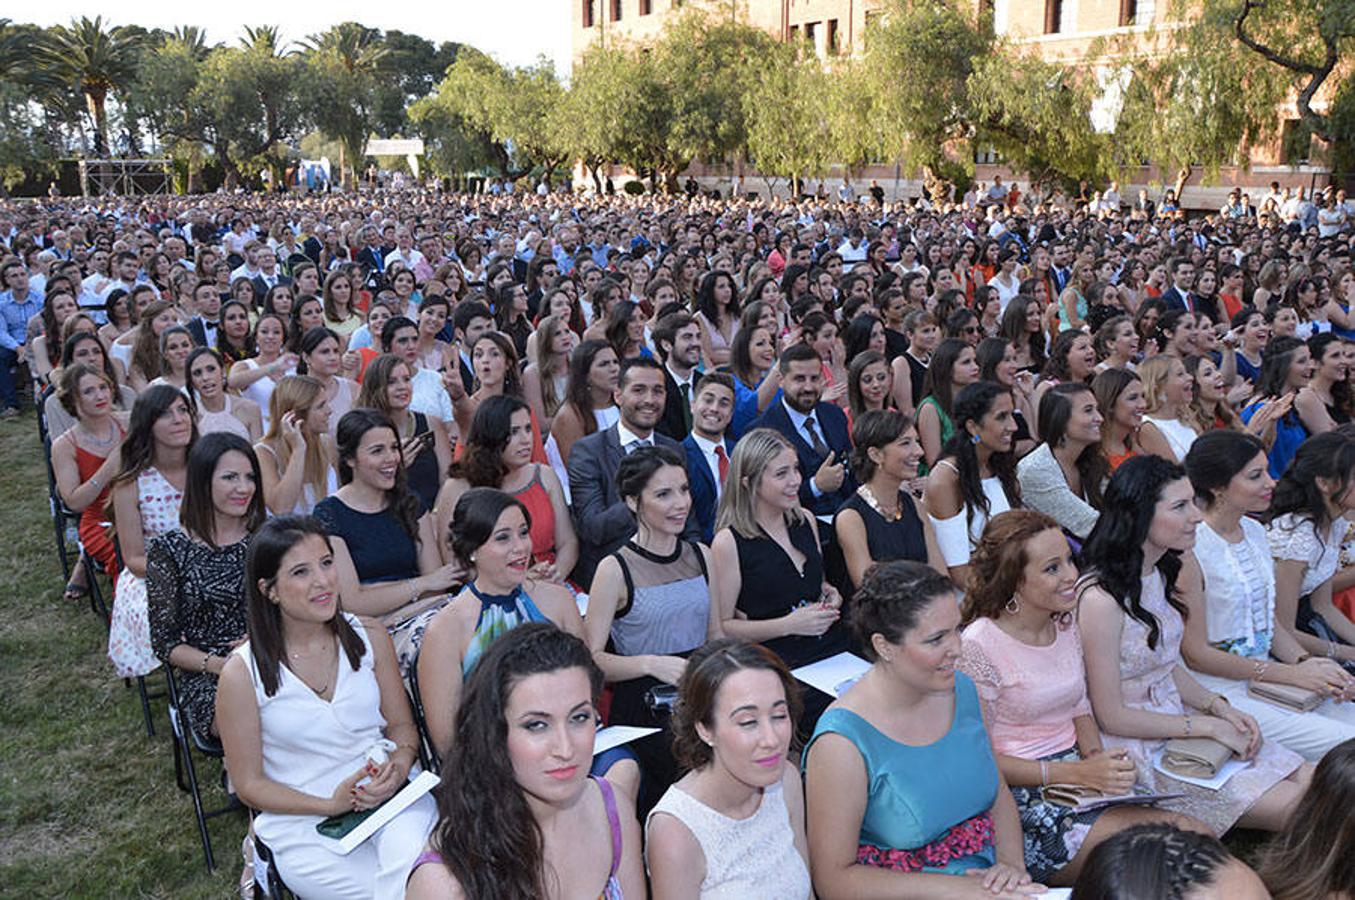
x: 546, y: 330
x: 298, y: 394
x: 1154, y: 373
x: 738, y: 503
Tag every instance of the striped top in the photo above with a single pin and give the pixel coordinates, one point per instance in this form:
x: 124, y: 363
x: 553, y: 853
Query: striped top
x: 667, y: 603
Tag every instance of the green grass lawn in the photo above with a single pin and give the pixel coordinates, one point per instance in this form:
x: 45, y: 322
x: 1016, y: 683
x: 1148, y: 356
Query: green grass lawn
x: 88, y: 803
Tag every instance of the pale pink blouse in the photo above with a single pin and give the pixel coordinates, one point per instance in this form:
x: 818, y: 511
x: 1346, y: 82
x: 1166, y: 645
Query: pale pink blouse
x: 1030, y: 694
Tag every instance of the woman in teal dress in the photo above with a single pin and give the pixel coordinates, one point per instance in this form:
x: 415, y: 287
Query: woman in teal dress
x: 903, y: 791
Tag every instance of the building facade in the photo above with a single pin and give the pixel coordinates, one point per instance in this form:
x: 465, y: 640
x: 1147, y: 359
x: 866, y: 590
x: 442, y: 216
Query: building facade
x: 1063, y: 31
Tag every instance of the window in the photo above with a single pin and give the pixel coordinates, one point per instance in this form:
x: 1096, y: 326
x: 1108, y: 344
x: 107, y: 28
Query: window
x: 1053, y: 16
x: 616, y: 10
x: 811, y: 35
x: 794, y: 36
x: 832, y: 42
x: 587, y: 13
x: 646, y: 7
x: 1128, y: 12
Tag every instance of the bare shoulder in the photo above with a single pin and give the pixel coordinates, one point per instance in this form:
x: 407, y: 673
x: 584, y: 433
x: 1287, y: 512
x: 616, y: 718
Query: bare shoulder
x: 434, y: 881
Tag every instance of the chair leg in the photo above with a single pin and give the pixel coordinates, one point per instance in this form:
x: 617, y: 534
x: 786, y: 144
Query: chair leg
x: 96, y: 597
x: 145, y: 705
x: 196, y: 792
x: 62, y: 551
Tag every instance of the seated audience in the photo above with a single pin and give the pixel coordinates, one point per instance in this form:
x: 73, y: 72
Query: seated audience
x: 1063, y: 476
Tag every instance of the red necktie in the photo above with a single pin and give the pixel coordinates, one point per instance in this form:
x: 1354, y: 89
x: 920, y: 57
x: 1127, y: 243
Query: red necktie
x: 721, y: 462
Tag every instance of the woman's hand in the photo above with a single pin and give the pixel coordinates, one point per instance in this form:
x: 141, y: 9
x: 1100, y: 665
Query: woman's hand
x: 1322, y: 675
x: 1232, y: 734
x: 667, y: 669
x: 1005, y: 880
x: 442, y: 578
x: 452, y: 384
x: 291, y: 432
x: 830, y: 596
x: 544, y: 571
x: 350, y: 363
x: 386, y: 779
x: 282, y: 363
x: 811, y: 620
x: 345, y: 796
x: 1111, y: 772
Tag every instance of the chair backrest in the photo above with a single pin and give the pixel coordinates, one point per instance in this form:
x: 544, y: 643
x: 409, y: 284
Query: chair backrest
x: 428, y: 757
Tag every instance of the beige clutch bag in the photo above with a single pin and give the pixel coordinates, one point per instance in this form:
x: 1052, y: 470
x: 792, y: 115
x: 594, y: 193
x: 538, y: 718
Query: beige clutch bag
x: 1285, y: 695
x: 1196, y: 757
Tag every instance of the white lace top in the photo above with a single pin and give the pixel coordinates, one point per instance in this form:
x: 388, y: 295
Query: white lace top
x: 1295, y: 538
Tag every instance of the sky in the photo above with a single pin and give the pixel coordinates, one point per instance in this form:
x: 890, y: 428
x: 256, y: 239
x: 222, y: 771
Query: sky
x: 513, y: 31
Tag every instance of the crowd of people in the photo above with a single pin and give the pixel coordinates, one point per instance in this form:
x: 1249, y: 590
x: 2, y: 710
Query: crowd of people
x: 1075, y: 483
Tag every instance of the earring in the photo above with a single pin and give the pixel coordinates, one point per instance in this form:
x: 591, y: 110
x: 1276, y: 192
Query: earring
x: 1012, y: 606
x: 472, y: 558
x: 974, y: 439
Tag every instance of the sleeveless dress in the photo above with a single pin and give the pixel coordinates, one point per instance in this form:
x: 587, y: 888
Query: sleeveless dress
x: 261, y: 392
x: 310, y: 497
x: 421, y: 473
x: 224, y: 420
x: 1146, y: 683
x: 1178, y: 435
x: 93, y: 527
x: 927, y: 806
x: 917, y: 373
x: 537, y: 500
x: 957, y: 536
x: 499, y: 614
x: 886, y: 540
x: 664, y: 613
x: 752, y: 857
x: 196, y: 596
x: 771, y: 587
x: 311, y: 745
x: 129, y: 630
x: 612, y: 889
x: 342, y: 403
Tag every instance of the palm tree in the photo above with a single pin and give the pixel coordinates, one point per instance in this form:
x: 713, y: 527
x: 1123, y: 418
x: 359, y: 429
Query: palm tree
x: 99, y: 60
x: 348, y: 58
x: 265, y: 39
x: 193, y: 39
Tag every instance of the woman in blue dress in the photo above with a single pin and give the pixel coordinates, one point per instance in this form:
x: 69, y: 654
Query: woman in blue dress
x: 902, y: 788
x: 1285, y: 369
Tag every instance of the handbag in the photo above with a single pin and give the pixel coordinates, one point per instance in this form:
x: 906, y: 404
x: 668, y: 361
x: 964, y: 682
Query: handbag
x: 1286, y: 696
x: 1199, y: 757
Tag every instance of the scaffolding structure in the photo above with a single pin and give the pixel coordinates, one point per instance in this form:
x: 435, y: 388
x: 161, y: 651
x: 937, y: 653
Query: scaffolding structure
x: 127, y: 177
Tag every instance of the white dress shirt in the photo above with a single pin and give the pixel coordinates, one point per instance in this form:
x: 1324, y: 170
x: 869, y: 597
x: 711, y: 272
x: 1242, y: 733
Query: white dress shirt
x: 707, y: 449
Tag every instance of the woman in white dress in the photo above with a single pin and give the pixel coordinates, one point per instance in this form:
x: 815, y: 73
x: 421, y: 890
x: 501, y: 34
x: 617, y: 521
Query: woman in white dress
x: 145, y: 497
x: 315, y: 722
x: 734, y: 825
x: 1168, y: 427
x: 975, y: 479
x: 255, y: 378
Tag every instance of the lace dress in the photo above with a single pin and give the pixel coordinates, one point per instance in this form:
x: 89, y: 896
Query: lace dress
x: 1146, y: 683
x: 129, y: 630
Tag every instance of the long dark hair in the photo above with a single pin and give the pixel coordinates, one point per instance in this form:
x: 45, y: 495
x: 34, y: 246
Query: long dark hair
x: 486, y: 833
x: 1113, y: 551
x: 68, y: 358
x: 856, y: 336
x: 197, y: 514
x: 402, y: 503
x: 705, y: 297
x: 138, y: 447
x: 512, y: 375
x: 270, y: 543
x: 1275, y: 362
x: 973, y: 403
x: 310, y: 341
x: 938, y: 382
x: 1330, y: 456
x: 1056, y: 409
x: 1013, y: 328
x: 481, y: 463
x: 579, y: 393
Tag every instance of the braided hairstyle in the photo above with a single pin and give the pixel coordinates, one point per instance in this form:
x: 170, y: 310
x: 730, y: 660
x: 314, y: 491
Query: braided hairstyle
x: 1151, y: 862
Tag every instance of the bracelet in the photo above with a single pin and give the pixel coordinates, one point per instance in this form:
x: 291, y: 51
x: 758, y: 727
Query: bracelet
x: 1044, y: 773
x: 1187, y: 734
x: 1259, y: 669
x: 206, y: 658
x: 1331, y: 649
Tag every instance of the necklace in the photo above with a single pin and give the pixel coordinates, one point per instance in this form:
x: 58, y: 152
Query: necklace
x: 322, y: 688
x: 101, y: 442
x: 873, y: 503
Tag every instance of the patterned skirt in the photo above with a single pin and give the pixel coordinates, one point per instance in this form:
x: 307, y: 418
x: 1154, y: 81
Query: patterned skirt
x: 1051, y: 834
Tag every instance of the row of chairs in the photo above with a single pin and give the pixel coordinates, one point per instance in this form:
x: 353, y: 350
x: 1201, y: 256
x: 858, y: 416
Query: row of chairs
x: 186, y: 741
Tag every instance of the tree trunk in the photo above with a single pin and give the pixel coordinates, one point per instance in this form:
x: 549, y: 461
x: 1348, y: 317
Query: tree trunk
x: 99, y: 113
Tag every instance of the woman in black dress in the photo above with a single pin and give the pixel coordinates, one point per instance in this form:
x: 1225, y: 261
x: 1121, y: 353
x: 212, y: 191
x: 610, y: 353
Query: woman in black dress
x: 766, y: 560
x: 880, y: 522
x: 195, y: 575
x: 388, y: 387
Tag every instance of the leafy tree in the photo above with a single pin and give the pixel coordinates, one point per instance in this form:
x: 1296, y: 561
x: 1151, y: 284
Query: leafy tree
x: 345, y: 67
x: 788, y: 115
x: 521, y: 109
x: 99, y: 60
x: 411, y: 69
x: 1207, y: 93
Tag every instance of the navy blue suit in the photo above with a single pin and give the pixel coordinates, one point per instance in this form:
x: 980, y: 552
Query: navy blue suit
x: 833, y: 429
x: 702, y: 484
x: 1175, y: 299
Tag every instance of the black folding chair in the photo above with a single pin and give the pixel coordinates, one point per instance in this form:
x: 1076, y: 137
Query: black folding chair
x: 186, y: 741
x: 428, y: 757
x: 271, y: 887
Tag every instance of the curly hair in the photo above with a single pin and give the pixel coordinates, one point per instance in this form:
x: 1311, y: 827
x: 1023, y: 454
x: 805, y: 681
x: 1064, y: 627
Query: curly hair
x: 1114, y: 549
x: 998, y: 563
x: 486, y: 833
x: 481, y: 463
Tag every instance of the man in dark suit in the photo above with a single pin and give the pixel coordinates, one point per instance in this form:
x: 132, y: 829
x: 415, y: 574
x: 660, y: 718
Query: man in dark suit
x: 1183, y: 279
x: 678, y: 339
x: 601, y: 518
x: 709, y: 447
x: 203, y: 325
x: 370, y: 256
x: 471, y: 319
x: 817, y: 431
x: 269, y: 274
